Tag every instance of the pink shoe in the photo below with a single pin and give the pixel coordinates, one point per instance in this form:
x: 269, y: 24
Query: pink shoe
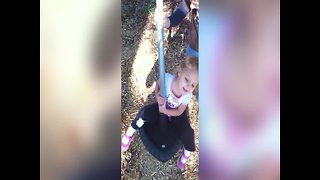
x: 125, y: 147
x: 179, y: 163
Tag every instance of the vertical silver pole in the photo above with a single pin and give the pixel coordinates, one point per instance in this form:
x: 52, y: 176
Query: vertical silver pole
x: 159, y: 20
x: 159, y: 15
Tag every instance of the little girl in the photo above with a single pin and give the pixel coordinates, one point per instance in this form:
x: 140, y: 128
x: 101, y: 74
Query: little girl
x: 179, y: 88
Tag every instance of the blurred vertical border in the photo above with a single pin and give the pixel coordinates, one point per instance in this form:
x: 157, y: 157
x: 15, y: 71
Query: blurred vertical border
x: 80, y: 88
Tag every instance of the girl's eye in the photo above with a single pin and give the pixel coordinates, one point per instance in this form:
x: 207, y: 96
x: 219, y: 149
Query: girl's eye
x: 192, y: 85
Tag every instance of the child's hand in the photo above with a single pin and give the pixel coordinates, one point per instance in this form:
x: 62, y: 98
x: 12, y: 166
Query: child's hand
x: 160, y: 100
x: 162, y: 108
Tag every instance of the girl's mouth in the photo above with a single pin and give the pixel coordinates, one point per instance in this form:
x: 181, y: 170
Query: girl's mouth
x: 185, y: 90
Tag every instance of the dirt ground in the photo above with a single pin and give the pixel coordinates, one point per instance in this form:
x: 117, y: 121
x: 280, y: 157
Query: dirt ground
x: 139, y: 68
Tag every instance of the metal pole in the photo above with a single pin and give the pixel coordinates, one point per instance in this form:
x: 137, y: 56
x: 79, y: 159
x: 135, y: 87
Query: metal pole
x: 160, y: 47
x: 159, y: 20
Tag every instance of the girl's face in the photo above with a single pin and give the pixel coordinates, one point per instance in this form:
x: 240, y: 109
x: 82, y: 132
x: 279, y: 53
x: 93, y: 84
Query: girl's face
x: 187, y: 80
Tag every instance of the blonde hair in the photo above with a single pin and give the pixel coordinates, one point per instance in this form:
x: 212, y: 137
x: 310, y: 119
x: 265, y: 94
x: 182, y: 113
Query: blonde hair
x: 190, y: 62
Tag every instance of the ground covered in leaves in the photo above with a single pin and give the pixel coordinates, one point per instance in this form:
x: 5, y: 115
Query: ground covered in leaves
x: 139, y: 67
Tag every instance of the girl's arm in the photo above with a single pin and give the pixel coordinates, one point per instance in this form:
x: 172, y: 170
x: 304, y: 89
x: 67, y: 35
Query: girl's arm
x: 157, y: 89
x: 173, y: 112
x: 159, y: 99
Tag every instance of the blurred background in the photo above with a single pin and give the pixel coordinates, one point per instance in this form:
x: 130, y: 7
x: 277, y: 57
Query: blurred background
x: 239, y: 92
x: 80, y: 89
